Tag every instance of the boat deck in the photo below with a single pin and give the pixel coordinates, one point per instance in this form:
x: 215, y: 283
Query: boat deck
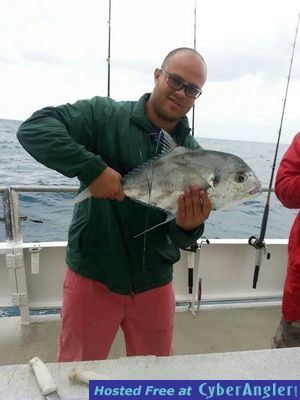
x: 212, y: 330
x: 17, y: 382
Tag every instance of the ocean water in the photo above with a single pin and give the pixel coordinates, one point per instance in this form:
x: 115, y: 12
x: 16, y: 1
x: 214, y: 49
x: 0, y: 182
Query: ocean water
x: 54, y: 210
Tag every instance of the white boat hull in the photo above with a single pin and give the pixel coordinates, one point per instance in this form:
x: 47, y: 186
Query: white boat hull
x: 32, y: 274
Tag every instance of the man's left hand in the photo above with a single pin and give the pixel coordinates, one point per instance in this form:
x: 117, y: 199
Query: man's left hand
x: 194, y: 208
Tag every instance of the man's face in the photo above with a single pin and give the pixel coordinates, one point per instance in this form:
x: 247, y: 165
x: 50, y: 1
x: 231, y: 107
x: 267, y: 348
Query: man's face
x: 170, y: 104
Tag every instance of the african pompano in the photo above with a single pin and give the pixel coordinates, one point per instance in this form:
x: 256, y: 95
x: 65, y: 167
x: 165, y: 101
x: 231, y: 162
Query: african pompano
x: 227, y: 179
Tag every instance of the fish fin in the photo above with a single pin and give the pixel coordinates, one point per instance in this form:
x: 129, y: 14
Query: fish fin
x: 211, y: 183
x: 85, y: 194
x: 168, y: 143
x: 169, y: 218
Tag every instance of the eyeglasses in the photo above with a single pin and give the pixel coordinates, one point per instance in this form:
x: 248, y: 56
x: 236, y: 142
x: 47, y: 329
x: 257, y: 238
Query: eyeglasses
x: 177, y: 83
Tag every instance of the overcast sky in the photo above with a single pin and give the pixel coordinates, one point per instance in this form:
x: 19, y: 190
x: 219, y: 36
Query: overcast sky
x: 55, y: 51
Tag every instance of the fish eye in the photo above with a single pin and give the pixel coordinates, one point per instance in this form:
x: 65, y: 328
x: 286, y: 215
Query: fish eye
x: 240, y: 177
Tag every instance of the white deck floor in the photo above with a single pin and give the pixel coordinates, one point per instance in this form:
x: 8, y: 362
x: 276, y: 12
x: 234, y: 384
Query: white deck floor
x: 210, y: 331
x: 17, y: 382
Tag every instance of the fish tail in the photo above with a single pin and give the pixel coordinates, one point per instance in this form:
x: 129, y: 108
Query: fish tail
x: 85, y: 194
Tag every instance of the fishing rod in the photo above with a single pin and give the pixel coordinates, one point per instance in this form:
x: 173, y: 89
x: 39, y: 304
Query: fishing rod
x: 108, y: 51
x: 195, y: 32
x: 193, y: 255
x: 259, y: 243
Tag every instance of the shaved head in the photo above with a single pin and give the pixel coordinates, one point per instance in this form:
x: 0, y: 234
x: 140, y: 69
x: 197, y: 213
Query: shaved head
x: 185, y: 50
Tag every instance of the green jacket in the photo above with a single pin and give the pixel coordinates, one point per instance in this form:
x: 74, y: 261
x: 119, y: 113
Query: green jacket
x: 80, y: 140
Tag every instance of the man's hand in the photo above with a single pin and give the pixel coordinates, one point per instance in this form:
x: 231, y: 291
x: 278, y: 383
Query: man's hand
x: 107, y: 185
x: 194, y: 208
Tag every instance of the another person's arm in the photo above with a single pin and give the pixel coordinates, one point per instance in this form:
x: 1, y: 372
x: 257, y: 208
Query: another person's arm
x: 287, y: 184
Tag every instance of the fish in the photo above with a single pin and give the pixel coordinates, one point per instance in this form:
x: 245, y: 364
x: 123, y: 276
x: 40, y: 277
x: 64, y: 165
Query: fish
x: 227, y: 179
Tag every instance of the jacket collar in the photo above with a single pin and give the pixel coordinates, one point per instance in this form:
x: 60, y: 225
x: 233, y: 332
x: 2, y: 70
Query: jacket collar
x: 138, y: 114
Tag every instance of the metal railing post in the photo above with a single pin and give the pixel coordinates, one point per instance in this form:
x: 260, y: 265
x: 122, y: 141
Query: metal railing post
x: 22, y: 295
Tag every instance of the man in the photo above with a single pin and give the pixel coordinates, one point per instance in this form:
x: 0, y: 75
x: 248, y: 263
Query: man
x: 287, y: 188
x: 115, y: 280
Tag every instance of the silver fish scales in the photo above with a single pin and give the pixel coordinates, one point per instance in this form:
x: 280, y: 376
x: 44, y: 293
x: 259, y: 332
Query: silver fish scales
x: 227, y: 179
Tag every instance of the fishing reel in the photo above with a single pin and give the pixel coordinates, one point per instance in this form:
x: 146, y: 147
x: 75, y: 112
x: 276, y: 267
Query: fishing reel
x: 259, y: 244
x: 256, y: 242
x: 195, y: 246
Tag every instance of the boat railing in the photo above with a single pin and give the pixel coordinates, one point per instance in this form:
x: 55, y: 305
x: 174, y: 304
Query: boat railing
x: 11, y: 209
x: 14, y: 249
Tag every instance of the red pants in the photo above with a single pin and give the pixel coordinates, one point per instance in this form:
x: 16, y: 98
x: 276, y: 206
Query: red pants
x: 92, y: 315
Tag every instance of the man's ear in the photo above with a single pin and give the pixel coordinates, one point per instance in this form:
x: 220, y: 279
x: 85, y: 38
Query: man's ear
x: 157, y: 73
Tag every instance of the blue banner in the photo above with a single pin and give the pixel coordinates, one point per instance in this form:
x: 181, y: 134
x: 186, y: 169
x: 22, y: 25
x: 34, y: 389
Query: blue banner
x: 194, y: 390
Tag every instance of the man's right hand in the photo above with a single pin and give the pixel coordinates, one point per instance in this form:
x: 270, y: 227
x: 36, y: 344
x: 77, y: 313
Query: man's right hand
x: 107, y: 185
